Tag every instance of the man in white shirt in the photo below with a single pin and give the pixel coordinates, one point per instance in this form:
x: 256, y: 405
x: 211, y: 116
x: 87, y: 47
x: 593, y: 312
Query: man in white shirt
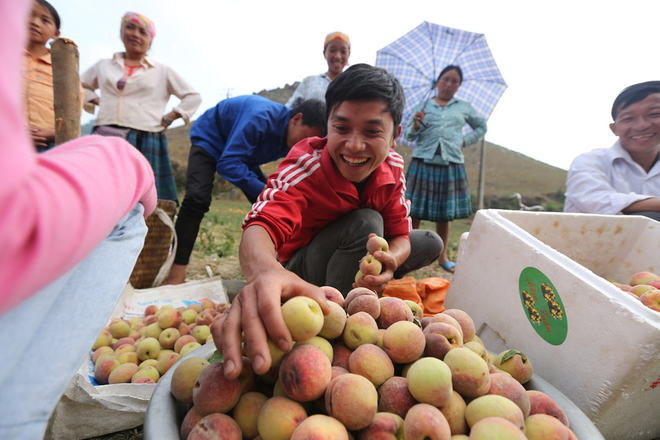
x: 625, y: 178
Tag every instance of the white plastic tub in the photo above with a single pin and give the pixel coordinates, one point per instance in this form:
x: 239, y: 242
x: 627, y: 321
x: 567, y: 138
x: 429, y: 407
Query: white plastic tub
x: 536, y: 282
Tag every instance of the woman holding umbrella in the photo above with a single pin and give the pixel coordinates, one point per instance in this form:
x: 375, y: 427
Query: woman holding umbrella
x: 135, y: 90
x: 436, y: 179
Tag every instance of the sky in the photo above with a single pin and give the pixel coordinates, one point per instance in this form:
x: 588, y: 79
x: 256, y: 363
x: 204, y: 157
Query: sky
x: 564, y: 61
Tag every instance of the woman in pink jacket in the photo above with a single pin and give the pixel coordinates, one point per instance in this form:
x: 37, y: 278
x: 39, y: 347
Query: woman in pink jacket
x: 70, y: 231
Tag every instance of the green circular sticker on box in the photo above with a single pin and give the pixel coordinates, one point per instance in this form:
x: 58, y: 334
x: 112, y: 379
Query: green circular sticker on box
x: 543, y: 306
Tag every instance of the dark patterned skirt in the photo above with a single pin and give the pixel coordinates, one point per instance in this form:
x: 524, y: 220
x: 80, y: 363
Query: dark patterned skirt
x: 154, y: 147
x: 438, y: 193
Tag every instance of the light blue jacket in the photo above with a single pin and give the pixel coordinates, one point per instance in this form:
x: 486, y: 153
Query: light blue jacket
x: 443, y: 134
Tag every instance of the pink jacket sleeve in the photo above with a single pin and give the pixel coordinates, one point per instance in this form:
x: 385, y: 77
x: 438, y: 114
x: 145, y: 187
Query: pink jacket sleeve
x: 57, y: 206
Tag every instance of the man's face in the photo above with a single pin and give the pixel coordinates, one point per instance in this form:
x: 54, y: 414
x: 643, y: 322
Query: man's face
x: 638, y: 126
x: 360, y: 136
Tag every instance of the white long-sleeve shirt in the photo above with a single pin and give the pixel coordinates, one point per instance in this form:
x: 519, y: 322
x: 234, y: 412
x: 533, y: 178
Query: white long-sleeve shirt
x: 141, y: 104
x: 607, y: 180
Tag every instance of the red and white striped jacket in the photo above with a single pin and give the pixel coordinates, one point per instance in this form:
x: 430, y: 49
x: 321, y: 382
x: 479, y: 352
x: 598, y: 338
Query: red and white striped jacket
x: 307, y: 192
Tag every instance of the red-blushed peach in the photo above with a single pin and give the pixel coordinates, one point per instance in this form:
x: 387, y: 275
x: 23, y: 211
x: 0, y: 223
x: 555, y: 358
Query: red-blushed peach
x: 651, y: 299
x: 279, y: 417
x: 213, y: 392
x: 216, y: 427
x: 319, y: 342
x: 429, y: 381
x: 454, y: 412
x: 543, y: 427
x: 541, y: 403
x: 466, y: 322
x: 441, y: 317
x: 303, y: 317
x: 340, y: 355
x: 207, y: 304
x: 426, y: 321
x: 122, y: 374
x: 385, y: 426
x: 166, y: 362
x: 104, y: 349
x: 151, y: 372
x: 640, y: 289
x: 334, y: 322
x: 246, y: 412
x: 425, y: 421
x: 189, y: 421
x: 377, y: 244
x: 334, y: 295
x: 123, y: 341
x: 150, y: 319
x: 320, y: 427
x: 393, y: 309
x: 360, y: 328
x: 195, y: 306
x: 169, y: 318
x: 168, y: 337
x: 150, y: 310
x: 369, y: 265
x: 394, y: 396
x: 362, y: 299
x: 338, y: 371
x: 504, y: 385
x: 204, y: 318
x: 147, y: 363
x: 469, y: 372
x: 479, y: 348
x: 130, y: 357
x: 126, y: 348
x: 184, y: 329
x: 353, y: 400
x: 103, y: 368
x: 184, y: 378
x: 305, y: 373
x: 404, y: 342
x: 149, y: 348
x: 492, y: 405
x: 440, y: 338
x: 416, y: 309
x: 642, y: 277
x: 371, y: 362
x: 143, y: 379
x: 495, y: 428
x: 516, y: 364
x: 183, y: 340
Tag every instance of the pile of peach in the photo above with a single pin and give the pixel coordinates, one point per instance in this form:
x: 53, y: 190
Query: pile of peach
x: 141, y: 350
x: 644, y: 286
x: 372, y: 368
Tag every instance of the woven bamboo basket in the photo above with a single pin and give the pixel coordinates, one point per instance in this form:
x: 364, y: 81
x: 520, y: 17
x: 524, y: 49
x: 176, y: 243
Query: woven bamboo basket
x: 156, y: 247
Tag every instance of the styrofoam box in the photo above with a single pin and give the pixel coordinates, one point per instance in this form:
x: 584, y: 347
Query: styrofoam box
x: 538, y: 282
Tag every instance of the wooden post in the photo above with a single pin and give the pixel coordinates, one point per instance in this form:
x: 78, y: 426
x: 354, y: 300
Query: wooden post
x: 482, y: 174
x: 66, y: 90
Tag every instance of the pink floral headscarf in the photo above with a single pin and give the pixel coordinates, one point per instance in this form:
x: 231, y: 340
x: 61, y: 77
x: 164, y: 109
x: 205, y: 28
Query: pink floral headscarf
x: 141, y: 20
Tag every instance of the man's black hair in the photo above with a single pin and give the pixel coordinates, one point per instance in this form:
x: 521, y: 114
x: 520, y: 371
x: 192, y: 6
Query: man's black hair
x: 313, y: 114
x: 362, y: 82
x: 633, y: 94
x: 52, y: 11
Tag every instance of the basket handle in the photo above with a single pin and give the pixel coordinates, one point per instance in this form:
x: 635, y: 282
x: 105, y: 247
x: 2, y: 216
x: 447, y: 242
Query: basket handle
x: 165, y: 268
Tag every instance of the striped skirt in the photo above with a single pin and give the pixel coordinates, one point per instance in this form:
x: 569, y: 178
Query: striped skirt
x: 154, y: 147
x: 438, y: 193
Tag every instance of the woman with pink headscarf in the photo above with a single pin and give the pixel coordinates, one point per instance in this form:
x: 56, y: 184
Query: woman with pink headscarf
x: 134, y: 91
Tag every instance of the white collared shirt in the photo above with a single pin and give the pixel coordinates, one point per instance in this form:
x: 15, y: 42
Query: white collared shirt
x: 607, y: 180
x: 141, y: 104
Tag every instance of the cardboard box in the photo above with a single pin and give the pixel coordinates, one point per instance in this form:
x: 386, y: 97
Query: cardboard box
x: 537, y: 282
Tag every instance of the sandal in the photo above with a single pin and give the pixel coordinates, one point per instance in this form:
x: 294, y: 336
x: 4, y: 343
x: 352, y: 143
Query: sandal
x: 449, y: 266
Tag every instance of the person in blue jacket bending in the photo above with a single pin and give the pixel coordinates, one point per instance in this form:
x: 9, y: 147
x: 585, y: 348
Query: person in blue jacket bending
x: 233, y: 139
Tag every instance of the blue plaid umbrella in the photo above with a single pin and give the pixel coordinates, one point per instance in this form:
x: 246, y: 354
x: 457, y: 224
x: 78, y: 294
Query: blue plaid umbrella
x: 417, y: 58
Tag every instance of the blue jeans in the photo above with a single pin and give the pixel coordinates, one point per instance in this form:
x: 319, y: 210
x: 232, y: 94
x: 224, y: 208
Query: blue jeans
x: 45, y: 338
